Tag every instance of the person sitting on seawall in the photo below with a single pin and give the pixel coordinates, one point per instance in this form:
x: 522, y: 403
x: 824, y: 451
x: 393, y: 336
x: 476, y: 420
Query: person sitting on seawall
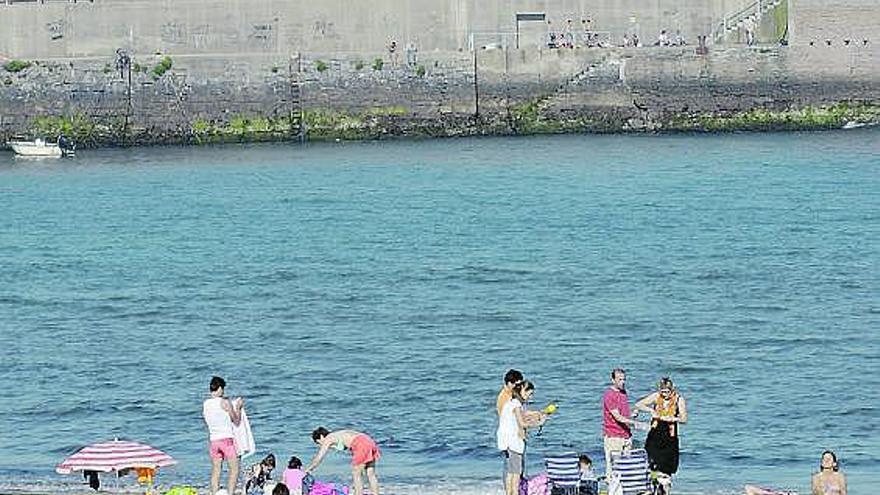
x: 364, y: 454
x: 668, y: 411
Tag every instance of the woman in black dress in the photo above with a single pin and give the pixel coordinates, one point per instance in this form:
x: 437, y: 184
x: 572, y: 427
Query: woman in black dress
x: 668, y: 411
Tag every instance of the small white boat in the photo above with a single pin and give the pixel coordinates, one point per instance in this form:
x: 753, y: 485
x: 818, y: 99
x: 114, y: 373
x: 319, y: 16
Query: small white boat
x: 41, y: 148
x: 853, y: 125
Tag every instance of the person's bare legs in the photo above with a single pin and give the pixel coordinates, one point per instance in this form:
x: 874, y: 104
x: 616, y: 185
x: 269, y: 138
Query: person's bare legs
x: 216, y: 466
x: 513, y: 483
x: 357, y: 472
x: 372, y: 478
x: 233, y: 474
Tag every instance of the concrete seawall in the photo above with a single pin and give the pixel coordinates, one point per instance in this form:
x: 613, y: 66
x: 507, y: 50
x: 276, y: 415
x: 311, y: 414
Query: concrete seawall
x: 209, y: 98
x: 229, y: 70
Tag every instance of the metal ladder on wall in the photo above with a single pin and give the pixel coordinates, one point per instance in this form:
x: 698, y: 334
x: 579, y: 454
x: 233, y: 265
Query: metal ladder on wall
x: 734, y: 20
x: 295, y: 109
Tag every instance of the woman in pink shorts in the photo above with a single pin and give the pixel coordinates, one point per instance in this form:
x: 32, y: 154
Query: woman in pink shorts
x: 364, y: 454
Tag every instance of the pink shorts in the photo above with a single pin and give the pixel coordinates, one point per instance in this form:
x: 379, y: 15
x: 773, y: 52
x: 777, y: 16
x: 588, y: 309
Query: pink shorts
x: 222, y: 449
x: 364, y: 450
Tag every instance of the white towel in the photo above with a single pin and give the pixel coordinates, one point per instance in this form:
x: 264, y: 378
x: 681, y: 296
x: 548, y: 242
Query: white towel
x: 244, y: 437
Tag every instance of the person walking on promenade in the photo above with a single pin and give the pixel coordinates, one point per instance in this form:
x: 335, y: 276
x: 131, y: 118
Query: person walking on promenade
x: 364, y: 454
x: 511, y: 434
x: 668, y: 410
x: 616, y: 420
x: 220, y: 415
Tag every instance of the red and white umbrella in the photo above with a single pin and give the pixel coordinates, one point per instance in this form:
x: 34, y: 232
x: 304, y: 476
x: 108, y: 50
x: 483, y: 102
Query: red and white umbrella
x: 113, y: 456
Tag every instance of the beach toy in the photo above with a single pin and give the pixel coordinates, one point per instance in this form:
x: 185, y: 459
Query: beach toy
x: 550, y: 409
x: 145, y: 475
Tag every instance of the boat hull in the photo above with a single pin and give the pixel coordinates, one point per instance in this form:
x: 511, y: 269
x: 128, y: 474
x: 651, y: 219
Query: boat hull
x: 28, y: 148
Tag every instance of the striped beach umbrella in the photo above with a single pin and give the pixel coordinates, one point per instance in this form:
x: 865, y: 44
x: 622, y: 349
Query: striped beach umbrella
x: 115, y: 455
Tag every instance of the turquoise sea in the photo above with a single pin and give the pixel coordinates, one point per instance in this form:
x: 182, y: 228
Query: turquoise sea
x: 387, y: 286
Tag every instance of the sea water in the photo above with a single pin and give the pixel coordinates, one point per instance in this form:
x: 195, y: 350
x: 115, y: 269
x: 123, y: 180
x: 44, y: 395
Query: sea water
x: 387, y: 287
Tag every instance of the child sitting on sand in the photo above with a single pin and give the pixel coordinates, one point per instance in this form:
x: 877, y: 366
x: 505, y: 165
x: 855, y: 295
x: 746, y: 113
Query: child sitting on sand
x: 589, y: 484
x: 258, y: 474
x: 293, y: 476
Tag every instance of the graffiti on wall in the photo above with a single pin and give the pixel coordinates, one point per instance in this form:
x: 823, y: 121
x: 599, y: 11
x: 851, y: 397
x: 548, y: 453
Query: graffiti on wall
x: 173, y: 33
x: 56, y: 29
x: 262, y: 33
x: 324, y: 30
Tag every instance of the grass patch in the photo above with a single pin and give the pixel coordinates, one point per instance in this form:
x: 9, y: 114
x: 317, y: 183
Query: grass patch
x: 358, y: 64
x: 378, y: 63
x: 321, y: 66
x: 389, y: 111
x: 421, y: 71
x: 78, y: 127
x: 162, y: 67
x: 762, y: 119
x: 17, y: 65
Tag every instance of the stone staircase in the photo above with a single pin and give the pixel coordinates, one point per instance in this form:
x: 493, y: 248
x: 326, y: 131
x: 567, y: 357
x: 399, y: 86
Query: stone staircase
x: 733, y: 21
x: 589, y: 72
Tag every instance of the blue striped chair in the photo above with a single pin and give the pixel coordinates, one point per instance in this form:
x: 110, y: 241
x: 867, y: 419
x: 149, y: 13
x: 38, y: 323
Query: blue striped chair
x: 632, y: 467
x: 563, y: 473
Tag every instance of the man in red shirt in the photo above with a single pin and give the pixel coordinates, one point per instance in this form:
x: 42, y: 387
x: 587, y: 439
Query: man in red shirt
x: 616, y: 420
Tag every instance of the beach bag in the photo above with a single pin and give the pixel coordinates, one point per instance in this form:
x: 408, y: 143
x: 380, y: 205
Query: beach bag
x: 323, y: 488
x: 536, y: 485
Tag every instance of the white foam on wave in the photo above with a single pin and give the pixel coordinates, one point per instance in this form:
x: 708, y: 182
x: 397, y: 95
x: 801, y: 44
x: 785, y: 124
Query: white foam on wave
x: 442, y: 487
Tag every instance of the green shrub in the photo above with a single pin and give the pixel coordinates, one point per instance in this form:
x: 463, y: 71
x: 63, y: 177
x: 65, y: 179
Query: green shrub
x: 378, y: 63
x: 420, y: 70
x: 17, y: 65
x: 138, y: 68
x: 358, y: 64
x: 275, y: 69
x: 162, y: 67
x: 321, y: 66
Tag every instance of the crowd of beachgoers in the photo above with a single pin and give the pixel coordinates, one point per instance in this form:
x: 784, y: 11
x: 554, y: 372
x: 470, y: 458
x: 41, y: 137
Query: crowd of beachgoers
x: 665, y: 412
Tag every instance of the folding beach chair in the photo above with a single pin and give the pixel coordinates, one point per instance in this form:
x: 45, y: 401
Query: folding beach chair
x: 631, y: 467
x: 563, y: 473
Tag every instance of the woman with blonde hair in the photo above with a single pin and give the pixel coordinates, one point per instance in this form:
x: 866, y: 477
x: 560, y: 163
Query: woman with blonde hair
x: 668, y: 411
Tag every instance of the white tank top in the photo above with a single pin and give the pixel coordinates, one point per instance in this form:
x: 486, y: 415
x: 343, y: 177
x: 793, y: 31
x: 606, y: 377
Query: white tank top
x: 218, y: 420
x: 507, y: 436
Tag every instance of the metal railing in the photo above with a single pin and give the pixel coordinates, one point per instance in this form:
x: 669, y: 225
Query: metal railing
x: 14, y: 2
x: 736, y: 19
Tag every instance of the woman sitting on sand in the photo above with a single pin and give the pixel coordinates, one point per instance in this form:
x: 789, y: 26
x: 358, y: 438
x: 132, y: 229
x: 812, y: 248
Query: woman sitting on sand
x: 364, y: 454
x: 828, y: 481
